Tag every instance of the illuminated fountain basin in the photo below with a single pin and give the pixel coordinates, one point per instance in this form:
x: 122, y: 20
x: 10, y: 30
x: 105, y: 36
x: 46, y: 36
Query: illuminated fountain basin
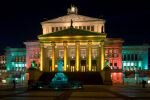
x: 60, y: 80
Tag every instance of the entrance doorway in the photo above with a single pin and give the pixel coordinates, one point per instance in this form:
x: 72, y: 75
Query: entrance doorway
x: 83, y: 65
x: 94, y: 65
x: 72, y: 65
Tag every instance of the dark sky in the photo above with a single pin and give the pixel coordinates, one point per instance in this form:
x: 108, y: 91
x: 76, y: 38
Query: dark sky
x: 20, y: 19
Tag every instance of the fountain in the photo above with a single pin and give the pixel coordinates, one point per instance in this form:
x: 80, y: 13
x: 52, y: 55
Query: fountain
x: 60, y: 80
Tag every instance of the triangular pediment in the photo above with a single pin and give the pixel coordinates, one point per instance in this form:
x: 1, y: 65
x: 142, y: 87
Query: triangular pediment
x: 74, y: 17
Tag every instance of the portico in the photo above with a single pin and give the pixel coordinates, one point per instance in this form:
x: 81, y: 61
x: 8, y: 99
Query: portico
x: 80, y: 50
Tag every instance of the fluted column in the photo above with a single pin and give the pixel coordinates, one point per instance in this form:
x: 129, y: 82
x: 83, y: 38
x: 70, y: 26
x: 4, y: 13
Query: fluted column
x: 77, y: 55
x: 53, y: 56
x: 102, y: 56
x: 65, y: 55
x: 89, y: 55
x: 41, y: 57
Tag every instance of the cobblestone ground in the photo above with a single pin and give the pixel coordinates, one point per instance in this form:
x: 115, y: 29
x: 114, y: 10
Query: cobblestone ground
x: 91, y: 92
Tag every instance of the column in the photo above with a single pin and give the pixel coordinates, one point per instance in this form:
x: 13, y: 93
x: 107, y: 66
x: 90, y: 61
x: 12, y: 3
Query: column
x: 46, y: 67
x: 41, y: 56
x: 89, y: 55
x: 53, y: 56
x: 77, y: 55
x: 65, y: 55
x: 102, y: 56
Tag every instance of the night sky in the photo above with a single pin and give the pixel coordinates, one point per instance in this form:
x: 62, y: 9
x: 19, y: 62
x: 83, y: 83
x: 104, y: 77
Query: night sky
x: 20, y: 19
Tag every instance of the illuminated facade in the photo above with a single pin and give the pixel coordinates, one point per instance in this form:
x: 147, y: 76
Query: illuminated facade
x: 82, y: 44
x: 2, y: 63
x: 78, y: 40
x: 135, y: 60
x: 3, y: 71
x: 16, y: 63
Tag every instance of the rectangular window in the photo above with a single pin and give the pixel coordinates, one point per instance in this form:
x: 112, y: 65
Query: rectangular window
x: 110, y: 50
x: 53, y: 29
x: 84, y: 27
x: 80, y: 27
x: 83, y: 53
x: 110, y: 64
x: 115, y: 55
x: 132, y: 57
x: 92, y: 28
x: 60, y: 28
x: 124, y: 58
x: 88, y: 28
x: 115, y: 64
x: 128, y: 57
x: 76, y: 27
x: 115, y: 50
x: 136, y: 58
x: 56, y: 29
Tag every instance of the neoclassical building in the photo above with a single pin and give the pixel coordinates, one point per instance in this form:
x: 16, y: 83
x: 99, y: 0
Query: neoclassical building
x: 82, y: 44
x: 78, y: 40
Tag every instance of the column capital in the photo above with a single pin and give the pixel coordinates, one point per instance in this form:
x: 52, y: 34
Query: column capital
x: 77, y: 42
x: 65, y: 43
x: 41, y: 45
x: 53, y: 43
x: 102, y: 43
x: 89, y: 42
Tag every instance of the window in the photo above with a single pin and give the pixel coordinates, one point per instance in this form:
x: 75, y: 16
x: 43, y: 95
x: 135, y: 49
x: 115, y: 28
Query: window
x: 80, y: 27
x: 76, y: 27
x: 88, y: 28
x: 115, y: 64
x: 125, y: 58
x: 115, y: 50
x: 16, y: 59
x: 61, y: 53
x: 110, y: 50
x: 53, y: 29
x: 84, y: 27
x: 115, y: 55
x: 64, y: 28
x: 132, y: 57
x: 136, y: 58
x: 60, y: 28
x: 83, y: 53
x: 56, y: 28
x: 128, y: 57
x: 110, y: 64
x: 92, y: 28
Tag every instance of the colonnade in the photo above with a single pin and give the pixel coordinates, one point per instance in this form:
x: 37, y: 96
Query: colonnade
x: 77, y: 56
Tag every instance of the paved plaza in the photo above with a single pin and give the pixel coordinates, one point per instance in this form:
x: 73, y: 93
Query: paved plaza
x: 89, y: 92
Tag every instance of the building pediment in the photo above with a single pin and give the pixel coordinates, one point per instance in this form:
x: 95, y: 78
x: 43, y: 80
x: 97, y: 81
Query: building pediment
x: 74, y: 17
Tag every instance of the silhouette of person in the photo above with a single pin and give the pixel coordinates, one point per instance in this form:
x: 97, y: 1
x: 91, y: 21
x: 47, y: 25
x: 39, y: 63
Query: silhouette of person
x: 143, y: 83
x: 14, y: 84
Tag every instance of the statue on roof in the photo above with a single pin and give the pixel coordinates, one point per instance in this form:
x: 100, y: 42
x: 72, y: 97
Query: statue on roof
x: 73, y: 10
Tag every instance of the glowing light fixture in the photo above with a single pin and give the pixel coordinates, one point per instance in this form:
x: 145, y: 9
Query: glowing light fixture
x: 3, y: 81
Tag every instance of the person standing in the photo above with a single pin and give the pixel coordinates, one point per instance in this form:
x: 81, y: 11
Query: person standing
x: 143, y: 83
x: 14, y: 84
